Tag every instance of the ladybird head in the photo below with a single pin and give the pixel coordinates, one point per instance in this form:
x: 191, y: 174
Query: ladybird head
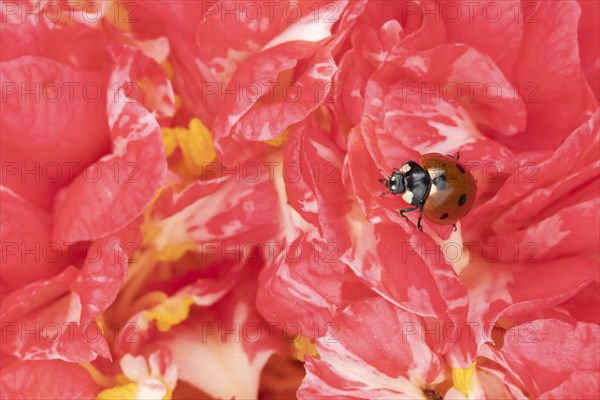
x: 396, y: 183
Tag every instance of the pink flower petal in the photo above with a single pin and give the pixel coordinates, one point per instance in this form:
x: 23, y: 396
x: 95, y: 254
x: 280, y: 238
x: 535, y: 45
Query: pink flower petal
x: 589, y: 42
x: 534, y: 190
x: 237, y: 210
x: 54, y: 379
x: 491, y: 98
x: 115, y: 190
x: 314, y: 183
x: 493, y: 28
x: 302, y: 287
x: 73, y: 121
x: 239, y: 118
x: 551, y: 67
x: 55, y: 318
x: 585, y: 305
x: 512, y: 290
x: 64, y: 44
x: 28, y: 254
x: 555, y: 347
x: 223, y: 350
x: 373, y: 350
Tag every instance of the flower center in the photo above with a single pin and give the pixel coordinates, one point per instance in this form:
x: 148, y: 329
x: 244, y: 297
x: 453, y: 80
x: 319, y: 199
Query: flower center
x: 463, y: 379
x: 189, y: 149
x: 303, y: 346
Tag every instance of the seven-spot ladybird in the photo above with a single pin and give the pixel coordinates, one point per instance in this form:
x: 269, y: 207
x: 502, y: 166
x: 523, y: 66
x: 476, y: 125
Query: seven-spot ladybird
x: 441, y: 188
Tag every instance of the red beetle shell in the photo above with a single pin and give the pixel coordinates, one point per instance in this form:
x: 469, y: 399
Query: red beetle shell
x: 446, y: 204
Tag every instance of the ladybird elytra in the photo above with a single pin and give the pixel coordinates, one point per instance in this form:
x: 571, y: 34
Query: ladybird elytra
x: 439, y: 187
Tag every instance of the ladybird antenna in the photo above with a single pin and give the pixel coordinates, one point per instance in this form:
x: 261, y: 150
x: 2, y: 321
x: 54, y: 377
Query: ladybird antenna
x: 383, y: 180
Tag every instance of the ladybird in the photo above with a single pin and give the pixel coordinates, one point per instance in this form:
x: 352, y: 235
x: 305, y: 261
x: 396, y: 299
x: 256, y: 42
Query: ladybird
x: 440, y: 187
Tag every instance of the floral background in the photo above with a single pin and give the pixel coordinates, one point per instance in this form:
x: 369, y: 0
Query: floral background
x: 191, y: 208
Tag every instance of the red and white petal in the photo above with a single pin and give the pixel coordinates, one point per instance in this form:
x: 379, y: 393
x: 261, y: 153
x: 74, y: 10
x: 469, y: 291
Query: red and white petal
x: 510, y: 290
x: 55, y: 318
x: 302, y: 286
x: 46, y: 379
x: 117, y: 188
x: 554, y: 346
x: 548, y: 69
x: 373, y: 350
x: 233, y: 343
x: 26, y: 229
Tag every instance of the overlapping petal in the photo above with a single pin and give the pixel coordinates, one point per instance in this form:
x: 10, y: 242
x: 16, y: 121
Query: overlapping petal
x: 43, y: 379
x: 233, y: 342
x: 122, y: 183
x: 225, y: 202
x: 555, y: 347
x: 369, y: 353
x: 55, y: 318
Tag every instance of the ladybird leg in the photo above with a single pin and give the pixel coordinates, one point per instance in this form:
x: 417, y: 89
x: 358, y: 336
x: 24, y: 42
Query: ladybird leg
x: 455, y: 228
x: 419, y: 227
x: 420, y: 207
x: 405, y: 210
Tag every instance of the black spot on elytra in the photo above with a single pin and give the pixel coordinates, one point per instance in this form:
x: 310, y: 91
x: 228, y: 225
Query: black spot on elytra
x: 460, y: 168
x: 462, y: 199
x: 444, y: 216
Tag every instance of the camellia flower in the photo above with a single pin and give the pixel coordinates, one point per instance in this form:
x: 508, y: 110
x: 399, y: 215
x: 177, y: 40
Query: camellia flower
x: 470, y: 293
x: 73, y: 222
x: 192, y: 204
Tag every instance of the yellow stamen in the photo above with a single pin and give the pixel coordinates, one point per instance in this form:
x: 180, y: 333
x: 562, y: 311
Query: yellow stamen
x: 136, y: 278
x: 148, y: 300
x: 195, y: 144
x: 98, y: 377
x: 166, y: 65
x: 303, y: 346
x: 128, y: 391
x: 101, y: 326
x: 169, y: 394
x: 169, y: 141
x: 463, y: 379
x: 322, y: 117
x: 174, y: 253
x: 178, y: 102
x: 280, y: 139
x: 166, y: 251
x: 169, y: 313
